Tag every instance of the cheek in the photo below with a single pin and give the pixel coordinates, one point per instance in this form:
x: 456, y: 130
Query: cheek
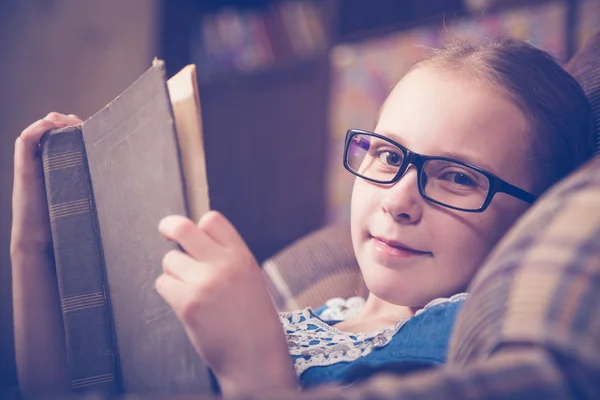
x: 469, y: 238
x: 465, y: 246
x: 500, y: 217
x: 461, y: 244
x: 363, y: 202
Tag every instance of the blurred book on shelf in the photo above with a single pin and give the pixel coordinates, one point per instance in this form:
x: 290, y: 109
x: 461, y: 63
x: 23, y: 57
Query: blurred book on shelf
x: 234, y: 41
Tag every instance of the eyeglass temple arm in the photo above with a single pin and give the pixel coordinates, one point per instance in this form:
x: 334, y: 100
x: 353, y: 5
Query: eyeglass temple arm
x: 512, y: 190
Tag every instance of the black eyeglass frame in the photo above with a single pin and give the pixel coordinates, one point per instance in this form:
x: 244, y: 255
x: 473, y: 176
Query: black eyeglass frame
x: 497, y: 185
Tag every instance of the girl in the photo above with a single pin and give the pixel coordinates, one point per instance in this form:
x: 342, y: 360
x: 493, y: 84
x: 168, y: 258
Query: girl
x: 464, y: 143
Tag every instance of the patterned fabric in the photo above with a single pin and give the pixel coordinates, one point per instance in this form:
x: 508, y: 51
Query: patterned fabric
x: 324, y: 354
x: 531, y: 326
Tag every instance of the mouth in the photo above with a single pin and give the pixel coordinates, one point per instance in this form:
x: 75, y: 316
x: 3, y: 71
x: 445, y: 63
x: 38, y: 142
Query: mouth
x: 395, y: 248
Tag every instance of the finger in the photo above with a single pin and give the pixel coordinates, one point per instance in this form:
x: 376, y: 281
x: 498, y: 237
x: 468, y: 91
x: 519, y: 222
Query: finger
x: 27, y: 163
x: 182, y: 267
x: 193, y: 240
x: 70, y: 119
x: 30, y: 137
x: 221, y: 230
x: 173, y: 291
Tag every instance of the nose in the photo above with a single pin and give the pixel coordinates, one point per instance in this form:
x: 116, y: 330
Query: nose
x: 402, y: 200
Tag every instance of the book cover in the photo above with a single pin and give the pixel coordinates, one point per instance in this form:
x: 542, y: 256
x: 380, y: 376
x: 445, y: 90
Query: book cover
x: 109, y: 182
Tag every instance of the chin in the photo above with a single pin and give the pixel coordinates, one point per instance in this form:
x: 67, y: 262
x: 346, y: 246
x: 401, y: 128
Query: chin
x: 403, y: 289
x: 386, y: 285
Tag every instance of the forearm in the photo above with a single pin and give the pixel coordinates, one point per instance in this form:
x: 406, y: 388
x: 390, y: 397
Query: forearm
x: 260, y: 378
x: 39, y: 333
x: 272, y: 370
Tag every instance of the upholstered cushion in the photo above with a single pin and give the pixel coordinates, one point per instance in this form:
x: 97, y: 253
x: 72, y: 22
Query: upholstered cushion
x: 541, y: 284
x: 585, y: 67
x: 317, y: 267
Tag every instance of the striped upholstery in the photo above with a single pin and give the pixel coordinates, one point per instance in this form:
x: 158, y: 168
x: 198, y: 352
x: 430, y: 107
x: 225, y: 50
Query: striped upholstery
x: 313, y: 269
x: 585, y: 67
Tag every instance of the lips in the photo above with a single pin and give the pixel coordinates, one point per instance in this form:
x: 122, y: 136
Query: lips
x: 395, y: 248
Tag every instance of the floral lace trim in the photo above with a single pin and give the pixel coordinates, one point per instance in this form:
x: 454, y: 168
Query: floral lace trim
x: 315, y: 343
x: 338, y: 309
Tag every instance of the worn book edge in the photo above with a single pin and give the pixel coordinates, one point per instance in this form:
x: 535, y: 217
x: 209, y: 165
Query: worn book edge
x: 185, y: 102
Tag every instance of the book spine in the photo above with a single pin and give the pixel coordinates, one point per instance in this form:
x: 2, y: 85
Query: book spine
x: 85, y: 305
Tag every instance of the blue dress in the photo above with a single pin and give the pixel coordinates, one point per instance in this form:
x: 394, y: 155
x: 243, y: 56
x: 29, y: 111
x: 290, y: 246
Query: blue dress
x: 323, y: 354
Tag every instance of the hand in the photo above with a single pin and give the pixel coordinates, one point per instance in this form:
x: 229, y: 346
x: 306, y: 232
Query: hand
x: 31, y: 224
x: 219, y: 294
x: 40, y: 350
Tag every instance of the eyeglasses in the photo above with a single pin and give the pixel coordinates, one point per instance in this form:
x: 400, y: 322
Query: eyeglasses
x: 444, y: 181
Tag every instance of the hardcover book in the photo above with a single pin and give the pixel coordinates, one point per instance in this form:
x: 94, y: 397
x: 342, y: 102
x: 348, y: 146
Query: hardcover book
x: 109, y: 181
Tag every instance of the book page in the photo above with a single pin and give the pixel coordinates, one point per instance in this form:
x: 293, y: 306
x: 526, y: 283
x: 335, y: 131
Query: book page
x: 183, y: 90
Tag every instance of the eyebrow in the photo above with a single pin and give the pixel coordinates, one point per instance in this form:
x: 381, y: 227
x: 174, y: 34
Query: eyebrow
x: 447, y: 154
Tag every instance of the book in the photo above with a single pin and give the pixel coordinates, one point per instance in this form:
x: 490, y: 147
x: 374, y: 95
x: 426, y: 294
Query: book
x: 109, y: 181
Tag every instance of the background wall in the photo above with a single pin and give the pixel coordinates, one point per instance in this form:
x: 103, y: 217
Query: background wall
x: 71, y: 56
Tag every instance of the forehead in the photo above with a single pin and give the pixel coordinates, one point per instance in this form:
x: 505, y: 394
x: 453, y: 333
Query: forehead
x: 437, y: 112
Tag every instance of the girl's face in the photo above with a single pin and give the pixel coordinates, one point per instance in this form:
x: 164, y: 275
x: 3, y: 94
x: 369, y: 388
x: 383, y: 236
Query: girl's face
x: 439, y: 113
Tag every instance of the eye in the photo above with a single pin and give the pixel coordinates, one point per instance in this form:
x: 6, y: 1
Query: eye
x: 390, y: 158
x: 459, y: 179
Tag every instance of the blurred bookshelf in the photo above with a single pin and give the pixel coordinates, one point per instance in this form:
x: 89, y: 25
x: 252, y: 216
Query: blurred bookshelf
x: 263, y: 74
x: 265, y: 77
x: 235, y: 41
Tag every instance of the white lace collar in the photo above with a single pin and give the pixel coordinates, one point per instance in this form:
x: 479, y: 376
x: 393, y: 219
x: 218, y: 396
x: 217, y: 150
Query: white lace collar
x: 316, y: 343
